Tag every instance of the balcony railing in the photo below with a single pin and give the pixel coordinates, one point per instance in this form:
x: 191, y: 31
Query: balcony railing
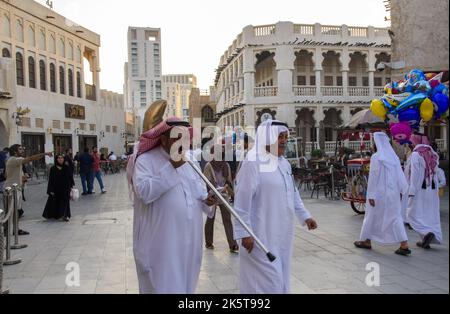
x: 442, y: 145
x: 381, y: 32
x: 91, y: 92
x: 266, y: 91
x: 331, y: 30
x: 264, y: 30
x: 332, y: 91
x: 305, y: 90
x: 357, y: 32
x: 330, y: 147
x: 303, y: 29
x: 358, y: 91
x: 379, y: 91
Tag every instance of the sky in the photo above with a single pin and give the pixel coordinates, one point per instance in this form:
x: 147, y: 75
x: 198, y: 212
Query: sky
x: 196, y: 33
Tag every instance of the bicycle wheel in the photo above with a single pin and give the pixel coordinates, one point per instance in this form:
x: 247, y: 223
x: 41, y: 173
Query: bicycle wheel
x: 359, y: 191
x: 359, y: 208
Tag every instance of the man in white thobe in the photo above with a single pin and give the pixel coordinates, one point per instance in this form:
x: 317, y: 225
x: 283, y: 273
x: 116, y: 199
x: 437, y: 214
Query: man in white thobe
x: 383, y: 222
x: 169, y: 200
x: 423, y: 212
x: 268, y: 202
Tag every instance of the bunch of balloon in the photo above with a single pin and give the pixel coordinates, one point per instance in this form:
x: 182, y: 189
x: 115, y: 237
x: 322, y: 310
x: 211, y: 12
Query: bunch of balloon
x: 419, y: 97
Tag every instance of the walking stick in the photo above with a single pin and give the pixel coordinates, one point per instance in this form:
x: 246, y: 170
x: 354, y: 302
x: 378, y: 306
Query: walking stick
x: 270, y: 256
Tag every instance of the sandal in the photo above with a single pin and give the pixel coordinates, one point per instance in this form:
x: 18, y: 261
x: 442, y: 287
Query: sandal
x: 403, y: 252
x: 234, y: 250
x: 420, y: 244
x: 428, y: 239
x: 363, y: 245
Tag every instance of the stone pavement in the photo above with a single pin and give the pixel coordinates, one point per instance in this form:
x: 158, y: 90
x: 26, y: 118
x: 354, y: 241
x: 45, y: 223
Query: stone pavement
x: 99, y: 239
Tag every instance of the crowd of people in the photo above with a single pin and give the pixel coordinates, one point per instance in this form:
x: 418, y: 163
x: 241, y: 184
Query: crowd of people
x: 13, y: 170
x: 170, y: 199
x: 399, y: 197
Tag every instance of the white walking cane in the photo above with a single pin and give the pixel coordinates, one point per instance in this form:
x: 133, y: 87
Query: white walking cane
x: 270, y: 256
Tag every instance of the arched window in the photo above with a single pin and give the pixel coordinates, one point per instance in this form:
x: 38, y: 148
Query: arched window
x: 207, y: 113
x: 42, y: 75
x: 5, y: 26
x: 6, y: 53
x: 41, y: 40
x: 19, y: 69
x: 31, y: 72
x: 78, y: 54
x: 62, y: 48
x: 19, y: 30
x: 31, y: 39
x: 70, y: 73
x: 52, y: 44
x: 62, y: 80
x: 78, y: 84
x: 52, y: 78
x: 70, y: 51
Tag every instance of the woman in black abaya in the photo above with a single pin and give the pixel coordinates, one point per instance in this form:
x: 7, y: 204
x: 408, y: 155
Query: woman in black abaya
x: 60, y: 184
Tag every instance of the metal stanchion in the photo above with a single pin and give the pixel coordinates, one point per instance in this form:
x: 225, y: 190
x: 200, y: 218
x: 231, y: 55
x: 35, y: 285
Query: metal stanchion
x: 333, y: 198
x: 2, y: 246
x: 7, y: 194
x: 16, y: 246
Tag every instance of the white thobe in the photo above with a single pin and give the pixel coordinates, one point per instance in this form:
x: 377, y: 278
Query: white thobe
x: 383, y: 223
x: 441, y: 178
x: 405, y: 198
x: 268, y: 203
x: 168, y: 224
x: 423, y: 213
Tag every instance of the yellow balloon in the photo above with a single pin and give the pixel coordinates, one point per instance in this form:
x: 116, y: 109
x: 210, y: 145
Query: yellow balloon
x: 392, y: 102
x: 378, y: 109
x: 427, y: 110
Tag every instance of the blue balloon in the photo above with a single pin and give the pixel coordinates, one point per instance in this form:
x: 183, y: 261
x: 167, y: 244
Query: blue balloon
x: 411, y: 115
x: 409, y: 89
x: 416, y: 76
x: 441, y: 101
x: 422, y: 86
x: 412, y: 100
x: 440, y: 89
x: 388, y: 105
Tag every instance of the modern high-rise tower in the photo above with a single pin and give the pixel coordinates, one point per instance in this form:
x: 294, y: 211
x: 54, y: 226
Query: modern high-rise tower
x: 142, y: 71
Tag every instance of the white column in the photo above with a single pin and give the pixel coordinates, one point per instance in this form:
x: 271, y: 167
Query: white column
x: 249, y: 73
x: 285, y: 59
x: 346, y: 113
x: 318, y: 83
x: 345, y: 83
x: 345, y: 60
x: 371, y: 60
x: 250, y: 118
x: 371, y: 84
x: 318, y: 60
x: 318, y: 116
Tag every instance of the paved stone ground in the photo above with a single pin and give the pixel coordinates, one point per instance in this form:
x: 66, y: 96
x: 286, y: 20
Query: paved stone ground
x: 324, y: 261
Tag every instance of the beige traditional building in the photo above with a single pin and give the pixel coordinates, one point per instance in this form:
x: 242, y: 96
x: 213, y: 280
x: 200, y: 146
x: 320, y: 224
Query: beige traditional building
x: 420, y: 34
x: 202, y: 108
x: 49, y: 83
x: 314, y: 77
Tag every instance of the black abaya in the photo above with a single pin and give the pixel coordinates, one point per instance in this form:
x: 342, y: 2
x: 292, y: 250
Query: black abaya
x: 60, y: 184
